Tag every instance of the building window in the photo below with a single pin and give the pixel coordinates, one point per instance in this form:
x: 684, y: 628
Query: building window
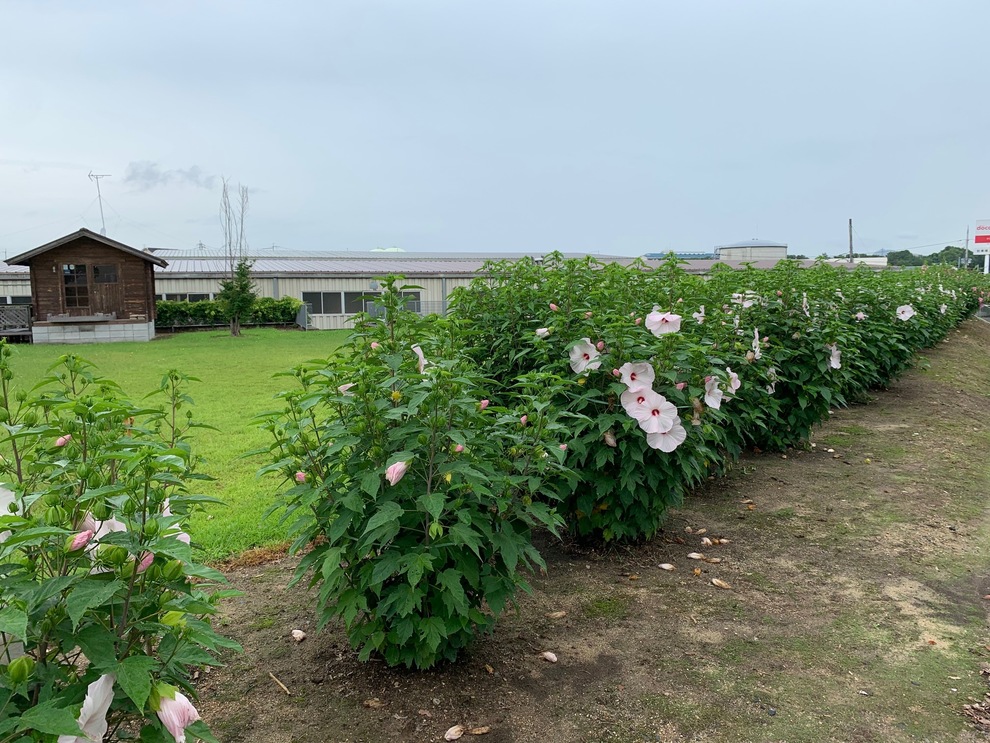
x: 354, y: 302
x: 198, y: 297
x: 76, y: 286
x: 21, y: 300
x: 322, y: 303
x: 104, y: 274
x: 412, y: 302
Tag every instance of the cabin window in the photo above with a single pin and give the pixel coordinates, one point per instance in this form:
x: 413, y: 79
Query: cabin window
x: 413, y: 303
x: 104, y: 274
x: 76, y: 286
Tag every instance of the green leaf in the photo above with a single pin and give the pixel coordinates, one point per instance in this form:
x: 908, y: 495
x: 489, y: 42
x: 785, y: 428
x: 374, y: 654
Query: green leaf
x: 454, y: 596
x: 433, y: 504
x: 98, y: 645
x: 48, y: 589
x: 51, y: 720
x: 88, y: 594
x: 199, y: 730
x: 134, y: 677
x: 13, y: 621
x: 432, y: 630
x: 387, y: 512
x: 370, y: 483
x: 505, y: 544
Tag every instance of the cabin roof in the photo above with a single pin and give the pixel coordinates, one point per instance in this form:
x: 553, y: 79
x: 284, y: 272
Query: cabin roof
x: 24, y: 259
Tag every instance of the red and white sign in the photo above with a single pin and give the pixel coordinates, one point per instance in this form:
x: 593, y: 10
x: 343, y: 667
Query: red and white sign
x: 982, y: 240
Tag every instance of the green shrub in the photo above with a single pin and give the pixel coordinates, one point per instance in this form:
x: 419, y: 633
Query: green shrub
x: 100, y: 596
x: 792, y: 342
x: 417, y: 497
x: 265, y: 311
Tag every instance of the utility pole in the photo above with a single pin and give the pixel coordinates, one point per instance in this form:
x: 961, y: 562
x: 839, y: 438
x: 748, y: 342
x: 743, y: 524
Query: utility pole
x: 850, y: 240
x: 966, y: 250
x: 99, y: 196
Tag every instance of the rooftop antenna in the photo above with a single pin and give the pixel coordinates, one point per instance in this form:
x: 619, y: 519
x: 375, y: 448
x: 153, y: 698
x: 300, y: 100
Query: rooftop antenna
x: 99, y: 196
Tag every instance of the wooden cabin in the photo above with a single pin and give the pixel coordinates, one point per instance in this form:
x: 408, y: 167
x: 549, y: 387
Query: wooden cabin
x: 87, y: 288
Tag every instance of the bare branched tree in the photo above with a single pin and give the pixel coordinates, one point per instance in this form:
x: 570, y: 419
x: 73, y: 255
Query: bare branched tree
x: 237, y: 291
x: 232, y: 219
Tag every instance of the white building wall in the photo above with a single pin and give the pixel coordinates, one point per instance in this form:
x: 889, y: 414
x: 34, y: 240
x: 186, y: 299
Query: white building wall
x: 752, y: 254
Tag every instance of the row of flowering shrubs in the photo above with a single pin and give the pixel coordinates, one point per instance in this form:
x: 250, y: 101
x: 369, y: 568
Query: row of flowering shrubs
x: 104, y: 612
x: 264, y: 311
x: 675, y: 374
x: 418, y: 460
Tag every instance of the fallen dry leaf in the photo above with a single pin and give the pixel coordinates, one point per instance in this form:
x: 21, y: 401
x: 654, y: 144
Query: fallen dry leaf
x: 298, y: 635
x: 706, y: 542
x: 695, y: 556
x: 666, y: 566
x: 713, y: 560
x: 556, y: 615
x: 372, y: 703
x: 425, y: 713
x: 987, y: 597
x: 454, y: 733
x: 634, y: 577
x: 723, y: 540
x: 751, y: 508
x: 747, y: 501
x: 697, y: 571
x: 480, y: 731
x: 701, y: 531
x: 489, y: 669
x: 689, y: 530
x: 549, y: 657
x: 719, y: 583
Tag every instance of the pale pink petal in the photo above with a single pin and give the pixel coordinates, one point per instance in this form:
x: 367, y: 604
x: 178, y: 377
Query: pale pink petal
x: 667, y: 441
x: 395, y: 472
x: 176, y: 715
x: 421, y: 364
x: 659, y: 414
x: 637, y: 376
x: 713, y: 395
x: 93, y: 715
x: 660, y: 323
x: 584, y: 356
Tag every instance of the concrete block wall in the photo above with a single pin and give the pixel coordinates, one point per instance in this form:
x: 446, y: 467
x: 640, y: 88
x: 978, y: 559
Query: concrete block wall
x: 74, y: 333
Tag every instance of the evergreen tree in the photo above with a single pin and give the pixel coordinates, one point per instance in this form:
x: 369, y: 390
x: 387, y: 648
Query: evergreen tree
x: 237, y: 295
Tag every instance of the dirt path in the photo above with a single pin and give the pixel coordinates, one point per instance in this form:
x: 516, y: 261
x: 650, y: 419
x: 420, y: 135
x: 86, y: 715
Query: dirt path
x: 855, y: 613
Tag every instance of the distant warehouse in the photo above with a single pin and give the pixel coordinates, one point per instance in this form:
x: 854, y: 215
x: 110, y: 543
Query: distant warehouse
x: 752, y: 250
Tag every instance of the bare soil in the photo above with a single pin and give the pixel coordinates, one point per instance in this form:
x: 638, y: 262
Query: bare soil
x: 857, y: 570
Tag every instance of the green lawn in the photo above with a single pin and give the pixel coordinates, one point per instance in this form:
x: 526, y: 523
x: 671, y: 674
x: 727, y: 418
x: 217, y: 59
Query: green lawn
x: 236, y: 384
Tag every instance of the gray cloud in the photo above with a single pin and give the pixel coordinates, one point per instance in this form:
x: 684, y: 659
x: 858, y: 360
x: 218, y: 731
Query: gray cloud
x: 145, y: 175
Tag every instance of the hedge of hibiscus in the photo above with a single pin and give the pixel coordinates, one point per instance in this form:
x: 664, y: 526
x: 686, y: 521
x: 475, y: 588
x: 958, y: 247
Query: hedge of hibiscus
x: 413, y: 495
x: 104, y: 612
x: 673, y: 375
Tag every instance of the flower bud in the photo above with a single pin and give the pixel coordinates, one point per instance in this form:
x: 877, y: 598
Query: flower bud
x: 600, y: 345
x: 553, y: 307
x: 375, y: 345
x: 146, y: 559
x: 173, y: 619
x: 483, y: 404
x: 78, y: 541
x: 300, y: 476
x: 524, y: 420
x: 459, y: 448
x: 20, y: 669
x: 63, y: 440
x: 172, y: 570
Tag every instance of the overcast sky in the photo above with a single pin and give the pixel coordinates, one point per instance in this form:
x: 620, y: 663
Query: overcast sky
x: 616, y: 126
